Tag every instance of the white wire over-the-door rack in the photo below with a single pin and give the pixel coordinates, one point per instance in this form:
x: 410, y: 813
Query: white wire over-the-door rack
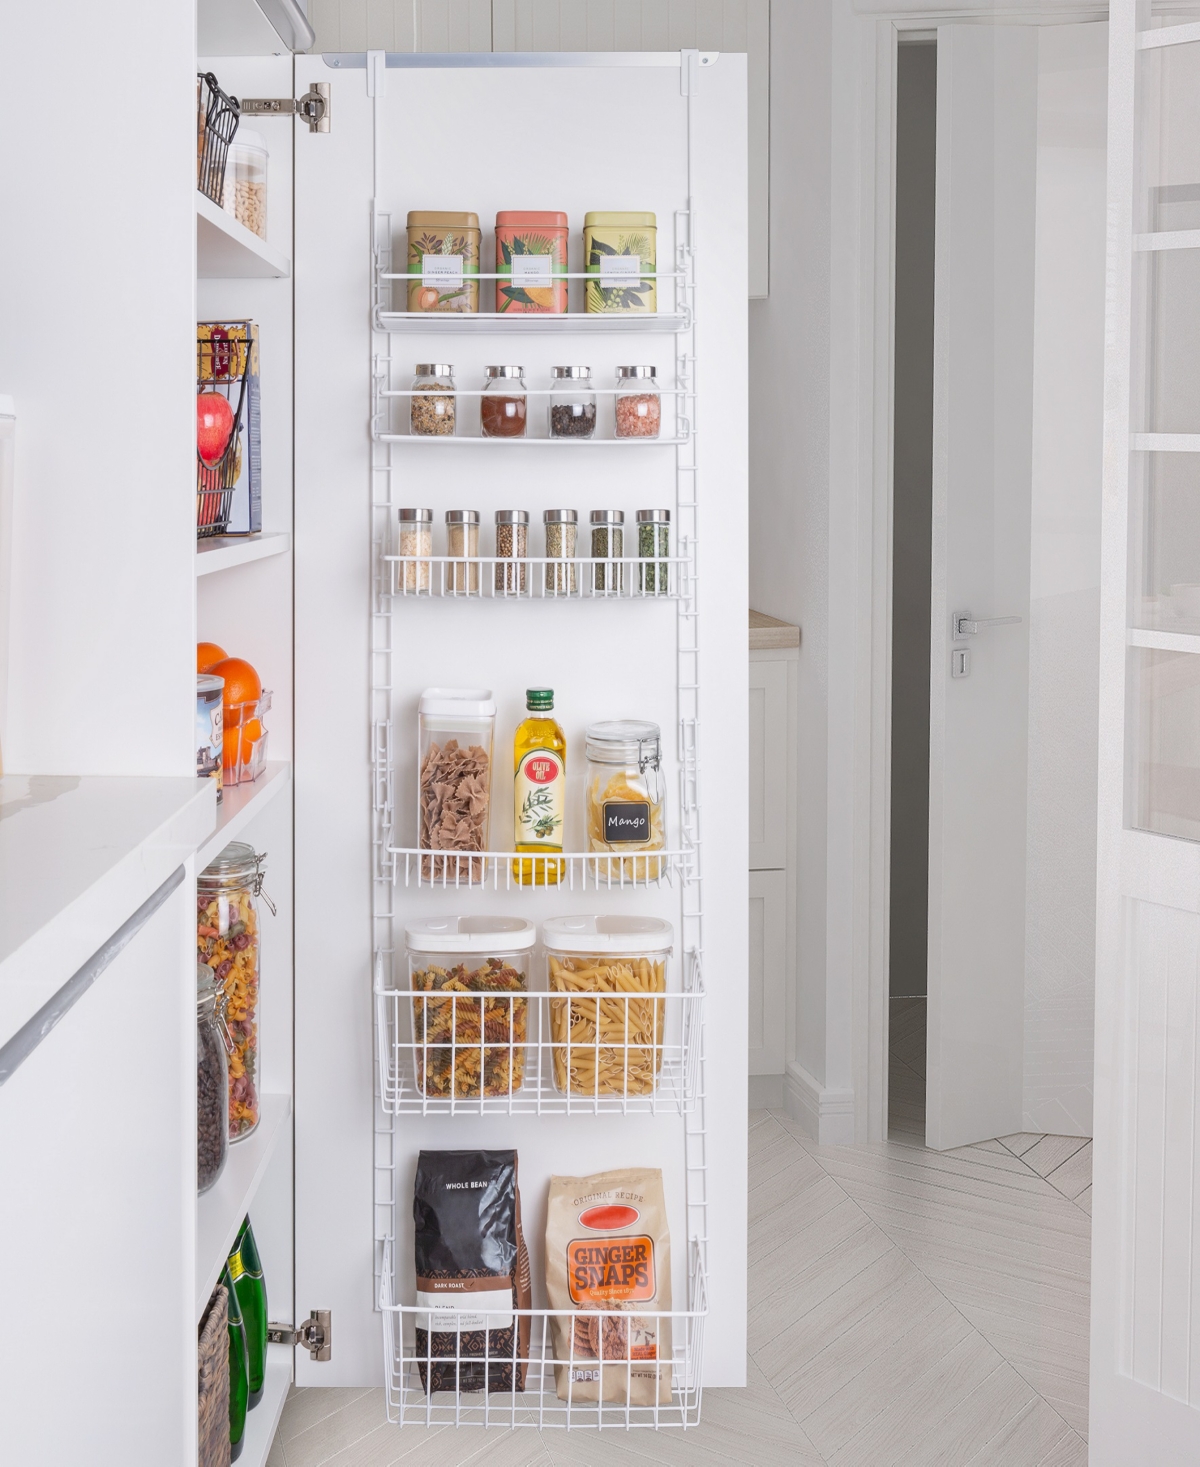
x: 679, y: 1087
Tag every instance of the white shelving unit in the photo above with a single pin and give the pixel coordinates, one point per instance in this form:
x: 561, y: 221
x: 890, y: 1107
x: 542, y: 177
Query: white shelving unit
x: 221, y: 552
x: 226, y: 249
x: 240, y: 804
x: 263, y: 1421
x: 220, y: 1210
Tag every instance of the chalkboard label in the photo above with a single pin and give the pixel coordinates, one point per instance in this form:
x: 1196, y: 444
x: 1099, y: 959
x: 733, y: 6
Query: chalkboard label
x: 626, y: 822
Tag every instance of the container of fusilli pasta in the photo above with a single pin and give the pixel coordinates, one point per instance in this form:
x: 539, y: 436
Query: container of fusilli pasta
x: 607, y: 1020
x: 468, y: 1023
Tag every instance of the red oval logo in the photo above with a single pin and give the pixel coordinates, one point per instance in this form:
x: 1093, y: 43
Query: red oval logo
x: 541, y: 771
x: 604, y: 1219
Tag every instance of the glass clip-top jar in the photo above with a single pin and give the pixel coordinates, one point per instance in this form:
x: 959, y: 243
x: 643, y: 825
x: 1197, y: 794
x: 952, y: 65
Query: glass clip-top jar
x: 502, y: 407
x: 227, y: 942
x: 625, y: 795
x: 212, y: 1079
x: 431, y: 408
x: 572, y: 403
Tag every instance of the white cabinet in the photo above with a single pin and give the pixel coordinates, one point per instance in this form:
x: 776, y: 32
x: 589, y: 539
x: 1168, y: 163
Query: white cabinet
x: 771, y: 768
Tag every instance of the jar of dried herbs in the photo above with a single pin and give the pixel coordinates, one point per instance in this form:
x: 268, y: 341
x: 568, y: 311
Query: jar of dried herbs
x: 572, y: 403
x: 431, y: 407
x: 637, y: 405
x: 415, y: 539
x: 654, y: 537
x: 502, y: 408
x: 561, y: 526
x: 462, y: 544
x: 512, y: 544
x: 608, y: 544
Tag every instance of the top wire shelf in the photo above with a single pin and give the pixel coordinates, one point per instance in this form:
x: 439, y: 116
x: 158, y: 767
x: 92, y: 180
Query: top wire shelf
x: 489, y: 323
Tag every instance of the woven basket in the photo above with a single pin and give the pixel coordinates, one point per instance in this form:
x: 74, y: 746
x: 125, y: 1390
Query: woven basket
x: 213, y: 1393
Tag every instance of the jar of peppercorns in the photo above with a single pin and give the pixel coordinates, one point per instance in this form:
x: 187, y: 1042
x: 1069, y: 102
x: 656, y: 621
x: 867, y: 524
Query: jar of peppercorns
x: 227, y: 942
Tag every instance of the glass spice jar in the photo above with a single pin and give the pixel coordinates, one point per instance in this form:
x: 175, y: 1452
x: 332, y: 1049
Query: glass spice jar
x: 654, y: 539
x: 431, y: 408
x: 561, y: 527
x: 512, y: 543
x: 572, y: 403
x: 502, y: 408
x: 415, y: 538
x: 462, y: 542
x: 608, y: 543
x: 227, y: 932
x: 637, y: 405
x: 212, y: 1079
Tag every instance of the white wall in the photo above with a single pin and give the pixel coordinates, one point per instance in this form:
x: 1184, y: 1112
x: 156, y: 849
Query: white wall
x: 1064, y: 606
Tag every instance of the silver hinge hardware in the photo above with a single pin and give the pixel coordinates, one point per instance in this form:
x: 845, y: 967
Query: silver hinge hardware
x: 315, y: 1335
x: 313, y: 107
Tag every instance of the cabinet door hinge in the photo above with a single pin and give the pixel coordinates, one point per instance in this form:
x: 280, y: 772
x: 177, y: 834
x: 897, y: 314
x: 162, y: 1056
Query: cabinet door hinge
x: 313, y: 107
x: 315, y: 1335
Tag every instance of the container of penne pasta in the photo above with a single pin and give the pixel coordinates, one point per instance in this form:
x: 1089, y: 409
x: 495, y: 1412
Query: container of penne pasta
x: 468, y: 1023
x: 607, y: 1027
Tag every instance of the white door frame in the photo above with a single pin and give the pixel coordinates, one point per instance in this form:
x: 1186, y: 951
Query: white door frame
x: 862, y: 211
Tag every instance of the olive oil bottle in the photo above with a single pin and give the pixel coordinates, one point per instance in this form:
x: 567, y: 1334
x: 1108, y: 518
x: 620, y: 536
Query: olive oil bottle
x: 540, y: 769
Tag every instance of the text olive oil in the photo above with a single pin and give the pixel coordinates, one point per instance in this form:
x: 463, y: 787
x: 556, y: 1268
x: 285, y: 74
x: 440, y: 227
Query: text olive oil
x: 540, y: 768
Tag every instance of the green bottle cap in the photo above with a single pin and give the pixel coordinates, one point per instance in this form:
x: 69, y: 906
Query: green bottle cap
x: 539, y: 700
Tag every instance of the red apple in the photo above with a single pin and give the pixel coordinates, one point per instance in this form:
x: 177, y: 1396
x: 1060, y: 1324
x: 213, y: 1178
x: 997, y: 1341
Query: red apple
x: 214, y: 424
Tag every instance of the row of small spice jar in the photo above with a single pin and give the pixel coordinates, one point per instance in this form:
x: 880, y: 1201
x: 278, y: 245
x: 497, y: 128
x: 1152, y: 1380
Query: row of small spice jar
x: 504, y: 406
x: 561, y: 530
x: 619, y: 252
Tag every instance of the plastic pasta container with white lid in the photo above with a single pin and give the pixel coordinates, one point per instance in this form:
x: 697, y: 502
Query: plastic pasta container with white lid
x: 468, y: 1034
x: 611, y: 1045
x: 455, y: 728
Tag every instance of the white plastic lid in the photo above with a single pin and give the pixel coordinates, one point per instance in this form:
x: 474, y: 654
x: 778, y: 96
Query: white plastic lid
x: 246, y: 137
x: 608, y: 935
x: 469, y: 934
x: 457, y: 703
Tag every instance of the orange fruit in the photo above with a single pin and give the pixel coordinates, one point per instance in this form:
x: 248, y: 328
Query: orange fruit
x: 251, y: 731
x: 241, y: 682
x: 208, y: 654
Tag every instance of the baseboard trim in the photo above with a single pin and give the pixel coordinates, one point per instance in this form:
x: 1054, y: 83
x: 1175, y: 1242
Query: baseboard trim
x: 766, y: 1092
x: 827, y: 1116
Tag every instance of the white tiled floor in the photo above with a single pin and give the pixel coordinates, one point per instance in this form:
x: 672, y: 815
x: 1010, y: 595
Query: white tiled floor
x: 907, y: 1309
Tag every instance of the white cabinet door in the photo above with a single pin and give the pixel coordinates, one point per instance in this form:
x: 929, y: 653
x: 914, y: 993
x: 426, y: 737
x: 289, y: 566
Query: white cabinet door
x: 768, y: 954
x: 768, y: 765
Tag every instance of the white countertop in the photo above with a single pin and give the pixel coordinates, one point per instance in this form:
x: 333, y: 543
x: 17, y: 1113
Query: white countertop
x: 77, y: 857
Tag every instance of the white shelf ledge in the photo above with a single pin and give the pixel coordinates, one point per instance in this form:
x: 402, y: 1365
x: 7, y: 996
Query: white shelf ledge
x: 1167, y: 239
x: 223, y: 551
x: 1165, y: 442
x: 1169, y: 35
x: 476, y: 439
x: 1164, y: 641
x: 226, y: 249
x: 484, y: 323
x: 263, y: 1421
x: 241, y: 803
x: 220, y: 1210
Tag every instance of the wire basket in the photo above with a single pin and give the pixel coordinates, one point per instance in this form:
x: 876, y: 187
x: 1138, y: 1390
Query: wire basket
x: 222, y: 367
x: 217, y: 117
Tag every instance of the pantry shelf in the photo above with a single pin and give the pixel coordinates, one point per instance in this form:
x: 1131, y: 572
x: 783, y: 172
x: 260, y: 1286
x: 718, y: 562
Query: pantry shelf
x: 1167, y: 239
x: 241, y: 803
x: 220, y: 1210
x: 491, y: 871
x: 407, y: 1064
x: 538, y: 1405
x: 262, y: 1422
x: 539, y: 578
x: 226, y: 249
x: 1164, y: 641
x: 221, y: 552
x: 484, y: 323
x: 1165, y: 442
x: 463, y: 439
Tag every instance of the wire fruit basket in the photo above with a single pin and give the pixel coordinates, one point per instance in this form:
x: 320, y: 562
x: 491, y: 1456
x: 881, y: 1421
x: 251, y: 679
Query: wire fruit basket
x: 222, y: 370
x: 217, y: 117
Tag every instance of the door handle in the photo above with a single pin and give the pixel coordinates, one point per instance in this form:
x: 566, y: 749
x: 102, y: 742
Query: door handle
x: 966, y: 626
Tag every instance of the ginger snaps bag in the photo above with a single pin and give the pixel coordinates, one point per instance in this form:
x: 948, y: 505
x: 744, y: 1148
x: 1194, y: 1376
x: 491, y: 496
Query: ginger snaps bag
x: 470, y: 1257
x: 608, y: 1248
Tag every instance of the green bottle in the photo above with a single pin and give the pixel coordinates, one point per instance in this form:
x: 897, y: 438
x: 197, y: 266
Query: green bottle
x: 238, y: 1371
x: 245, y: 1269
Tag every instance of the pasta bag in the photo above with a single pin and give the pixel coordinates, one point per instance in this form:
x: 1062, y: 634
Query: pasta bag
x: 608, y: 1248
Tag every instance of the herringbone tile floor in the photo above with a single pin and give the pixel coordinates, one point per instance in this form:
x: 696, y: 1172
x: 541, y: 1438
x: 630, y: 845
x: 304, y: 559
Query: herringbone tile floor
x: 907, y: 1308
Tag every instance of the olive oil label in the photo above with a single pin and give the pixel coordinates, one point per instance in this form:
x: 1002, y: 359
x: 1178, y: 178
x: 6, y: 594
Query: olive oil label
x: 626, y: 821
x: 540, y: 791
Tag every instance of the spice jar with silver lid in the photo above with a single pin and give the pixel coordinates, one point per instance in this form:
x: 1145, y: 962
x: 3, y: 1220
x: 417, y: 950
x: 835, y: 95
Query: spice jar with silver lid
x: 431, y: 410
x: 637, y: 405
x: 561, y: 526
x: 462, y: 543
x: 654, y: 540
x: 625, y: 796
x: 502, y: 407
x: 608, y: 543
x: 572, y: 403
x: 415, y: 539
x: 512, y: 543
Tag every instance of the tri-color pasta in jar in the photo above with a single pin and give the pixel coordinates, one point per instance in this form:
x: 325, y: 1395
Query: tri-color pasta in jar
x: 607, y: 1030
